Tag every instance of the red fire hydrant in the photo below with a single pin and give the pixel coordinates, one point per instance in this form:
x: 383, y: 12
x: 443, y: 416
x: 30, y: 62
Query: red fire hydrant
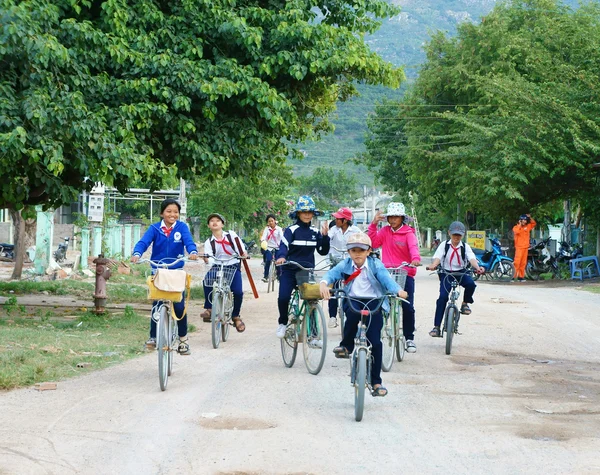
x: 102, y: 275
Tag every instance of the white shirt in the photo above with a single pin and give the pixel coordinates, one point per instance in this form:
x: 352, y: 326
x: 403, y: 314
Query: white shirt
x: 338, y: 238
x: 274, y: 241
x: 220, y: 249
x: 361, y: 285
x: 453, y: 261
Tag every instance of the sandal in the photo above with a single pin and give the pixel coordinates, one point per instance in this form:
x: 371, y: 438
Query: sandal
x: 435, y: 332
x: 184, y: 348
x: 464, y: 309
x: 341, y: 352
x: 206, y: 315
x: 379, y: 391
x: 239, y: 325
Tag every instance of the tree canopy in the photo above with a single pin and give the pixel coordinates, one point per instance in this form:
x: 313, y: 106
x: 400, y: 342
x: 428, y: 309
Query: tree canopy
x: 329, y: 188
x: 503, y: 118
x: 123, y: 90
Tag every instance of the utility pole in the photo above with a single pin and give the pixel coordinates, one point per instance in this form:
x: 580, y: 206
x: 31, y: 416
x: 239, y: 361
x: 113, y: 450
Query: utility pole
x: 182, y: 200
x: 365, y: 205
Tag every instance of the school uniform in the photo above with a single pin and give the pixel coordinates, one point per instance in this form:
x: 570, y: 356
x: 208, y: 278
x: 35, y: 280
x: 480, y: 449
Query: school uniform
x: 453, y: 259
x: 273, y: 237
x: 298, y: 244
x: 368, y: 282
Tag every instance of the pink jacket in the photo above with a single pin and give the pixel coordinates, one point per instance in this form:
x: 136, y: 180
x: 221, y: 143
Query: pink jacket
x: 396, y: 246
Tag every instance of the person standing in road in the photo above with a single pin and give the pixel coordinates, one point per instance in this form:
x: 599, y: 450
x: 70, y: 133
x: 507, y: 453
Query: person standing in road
x: 522, y: 231
x: 399, y: 244
x: 338, y: 236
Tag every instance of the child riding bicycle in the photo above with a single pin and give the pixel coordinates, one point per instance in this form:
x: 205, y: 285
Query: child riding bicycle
x: 454, y: 256
x: 365, y: 279
x: 298, y: 244
x: 225, y: 246
x: 399, y: 244
x: 169, y: 238
x: 338, y: 235
x: 270, y: 239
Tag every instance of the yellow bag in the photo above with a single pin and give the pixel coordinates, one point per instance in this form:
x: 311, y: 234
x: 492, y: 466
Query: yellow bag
x: 310, y: 291
x: 168, y: 284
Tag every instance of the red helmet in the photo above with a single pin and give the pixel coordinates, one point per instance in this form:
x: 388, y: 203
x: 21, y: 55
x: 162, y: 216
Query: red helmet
x: 343, y: 213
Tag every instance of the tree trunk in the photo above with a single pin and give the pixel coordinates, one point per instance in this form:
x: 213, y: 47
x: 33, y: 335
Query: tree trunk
x: 29, y: 237
x: 18, y: 239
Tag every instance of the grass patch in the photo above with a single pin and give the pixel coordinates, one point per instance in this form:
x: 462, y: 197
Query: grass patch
x: 50, y: 348
x: 594, y: 288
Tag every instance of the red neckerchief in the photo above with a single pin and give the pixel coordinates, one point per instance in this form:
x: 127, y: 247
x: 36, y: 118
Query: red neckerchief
x: 271, y: 234
x: 166, y: 230
x: 353, y: 276
x: 222, y: 242
x: 455, y: 253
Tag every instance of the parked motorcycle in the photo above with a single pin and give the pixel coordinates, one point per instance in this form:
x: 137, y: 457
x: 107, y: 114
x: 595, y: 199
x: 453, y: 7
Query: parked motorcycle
x: 566, y: 252
x: 250, y: 246
x: 61, y: 253
x: 7, y: 250
x: 540, y: 261
x: 497, y: 265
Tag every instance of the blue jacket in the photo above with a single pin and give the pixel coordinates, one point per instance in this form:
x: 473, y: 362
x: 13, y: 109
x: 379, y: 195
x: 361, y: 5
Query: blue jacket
x: 299, y: 243
x: 167, y: 248
x: 377, y: 274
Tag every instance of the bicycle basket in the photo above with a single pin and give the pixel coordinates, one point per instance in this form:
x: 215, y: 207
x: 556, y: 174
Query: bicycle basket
x: 168, y: 284
x: 310, y: 291
x: 212, y: 276
x: 399, y: 275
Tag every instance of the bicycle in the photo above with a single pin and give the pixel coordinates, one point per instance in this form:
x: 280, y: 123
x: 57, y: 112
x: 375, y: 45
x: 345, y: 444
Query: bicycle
x: 306, y: 323
x: 340, y: 311
x: 219, y: 277
x: 361, y: 361
x: 392, y: 337
x: 452, y: 314
x: 272, y: 277
x: 166, y: 286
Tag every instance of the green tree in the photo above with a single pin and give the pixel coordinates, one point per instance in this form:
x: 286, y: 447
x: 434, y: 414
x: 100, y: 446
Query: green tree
x: 329, y: 188
x: 115, y: 91
x: 503, y: 118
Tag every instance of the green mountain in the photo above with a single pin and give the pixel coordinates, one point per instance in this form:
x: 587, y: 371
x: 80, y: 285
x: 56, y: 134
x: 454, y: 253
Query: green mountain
x: 399, y: 40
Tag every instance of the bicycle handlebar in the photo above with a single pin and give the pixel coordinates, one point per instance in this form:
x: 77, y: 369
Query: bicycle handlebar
x: 300, y: 266
x: 162, y: 264
x: 343, y: 293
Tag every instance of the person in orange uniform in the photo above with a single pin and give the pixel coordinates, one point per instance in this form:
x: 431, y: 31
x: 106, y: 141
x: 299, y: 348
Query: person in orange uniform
x: 522, y: 230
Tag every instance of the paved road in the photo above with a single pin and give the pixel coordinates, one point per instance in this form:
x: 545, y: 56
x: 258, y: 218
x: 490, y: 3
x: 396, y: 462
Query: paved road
x: 520, y: 394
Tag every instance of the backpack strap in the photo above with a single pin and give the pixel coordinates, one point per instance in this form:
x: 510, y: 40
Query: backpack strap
x: 463, y: 252
x: 213, y: 246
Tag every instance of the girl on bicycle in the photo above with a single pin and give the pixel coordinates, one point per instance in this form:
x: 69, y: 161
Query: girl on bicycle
x: 298, y: 244
x: 338, y: 235
x: 454, y: 256
x: 365, y: 279
x: 270, y: 239
x: 398, y: 244
x: 224, y: 245
x: 169, y: 238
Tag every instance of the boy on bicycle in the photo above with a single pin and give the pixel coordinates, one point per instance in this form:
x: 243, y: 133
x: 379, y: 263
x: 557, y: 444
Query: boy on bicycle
x: 225, y: 246
x: 169, y: 238
x: 270, y: 239
x: 399, y: 244
x: 298, y: 244
x: 338, y: 235
x: 454, y: 256
x: 365, y: 279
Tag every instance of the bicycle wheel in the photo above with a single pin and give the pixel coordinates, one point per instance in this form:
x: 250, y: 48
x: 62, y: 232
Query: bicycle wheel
x: 162, y: 344
x: 314, y: 338
x: 216, y: 317
x: 400, y: 340
x: 225, y: 327
x: 388, y: 341
x: 289, y: 343
x: 450, y: 318
x: 360, y: 383
x: 173, y: 343
x: 341, y: 316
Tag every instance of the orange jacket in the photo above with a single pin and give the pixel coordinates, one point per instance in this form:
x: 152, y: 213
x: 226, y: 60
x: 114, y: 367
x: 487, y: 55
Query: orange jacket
x: 522, y: 234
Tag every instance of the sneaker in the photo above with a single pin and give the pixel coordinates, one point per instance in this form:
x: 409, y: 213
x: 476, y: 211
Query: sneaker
x: 281, y: 330
x: 332, y: 322
x: 435, y: 332
x: 315, y: 343
x: 410, y: 346
x: 264, y: 279
x: 522, y: 280
x: 184, y: 348
x: 512, y: 281
x: 151, y: 344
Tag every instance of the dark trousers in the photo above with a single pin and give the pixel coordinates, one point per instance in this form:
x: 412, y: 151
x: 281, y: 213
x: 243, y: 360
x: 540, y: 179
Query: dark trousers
x: 287, y: 282
x: 374, y: 326
x: 236, y: 288
x: 268, y: 257
x: 408, y: 311
x: 179, y: 307
x: 333, y: 302
x: 445, y: 287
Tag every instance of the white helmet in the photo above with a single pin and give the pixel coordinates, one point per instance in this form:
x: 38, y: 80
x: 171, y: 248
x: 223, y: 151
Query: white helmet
x: 395, y: 209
